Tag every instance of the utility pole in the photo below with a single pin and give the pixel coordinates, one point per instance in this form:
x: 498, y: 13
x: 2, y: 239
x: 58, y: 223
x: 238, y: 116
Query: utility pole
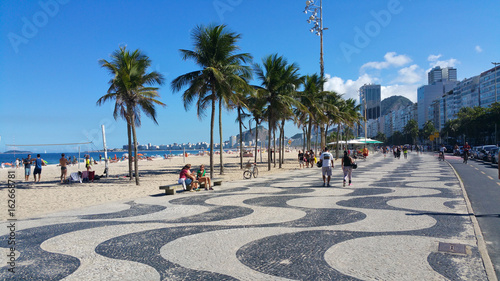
x: 496, y: 100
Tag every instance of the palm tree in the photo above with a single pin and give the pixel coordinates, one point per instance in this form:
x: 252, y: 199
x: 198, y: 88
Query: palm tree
x: 278, y: 80
x: 131, y: 89
x: 221, y: 72
x: 256, y: 104
x: 312, y: 98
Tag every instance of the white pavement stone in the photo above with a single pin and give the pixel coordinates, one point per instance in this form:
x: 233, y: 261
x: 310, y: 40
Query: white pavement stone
x: 215, y: 251
x: 94, y: 266
x: 389, y: 258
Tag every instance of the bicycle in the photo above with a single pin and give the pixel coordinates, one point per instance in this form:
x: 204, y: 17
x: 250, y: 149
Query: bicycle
x: 251, y: 170
x: 441, y: 156
x: 466, y: 157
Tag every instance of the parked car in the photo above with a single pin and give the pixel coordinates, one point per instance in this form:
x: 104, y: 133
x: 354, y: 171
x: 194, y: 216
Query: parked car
x: 491, y: 156
x: 483, y: 153
x: 474, y: 151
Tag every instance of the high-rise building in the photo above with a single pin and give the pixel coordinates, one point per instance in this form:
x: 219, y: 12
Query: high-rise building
x: 232, y: 141
x: 370, y: 96
x: 427, y: 94
x: 489, y: 86
x: 438, y: 74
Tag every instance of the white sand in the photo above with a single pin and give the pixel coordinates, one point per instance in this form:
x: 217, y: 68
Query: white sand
x: 49, y: 196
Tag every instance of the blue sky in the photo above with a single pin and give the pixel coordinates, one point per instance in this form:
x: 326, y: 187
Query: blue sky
x: 51, y: 79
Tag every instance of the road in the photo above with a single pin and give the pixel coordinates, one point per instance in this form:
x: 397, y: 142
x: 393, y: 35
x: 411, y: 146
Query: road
x: 483, y: 188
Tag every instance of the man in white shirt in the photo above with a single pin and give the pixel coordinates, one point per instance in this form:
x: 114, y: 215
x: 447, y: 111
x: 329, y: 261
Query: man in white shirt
x: 442, y: 150
x: 327, y: 167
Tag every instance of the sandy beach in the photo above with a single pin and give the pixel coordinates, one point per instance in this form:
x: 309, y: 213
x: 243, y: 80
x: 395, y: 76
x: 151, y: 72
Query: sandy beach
x: 49, y: 196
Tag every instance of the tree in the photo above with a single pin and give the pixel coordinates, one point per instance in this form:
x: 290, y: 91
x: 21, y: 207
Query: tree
x: 278, y: 80
x: 221, y: 72
x: 381, y: 137
x: 130, y: 88
x: 311, y: 98
x: 411, y: 130
x: 428, y: 129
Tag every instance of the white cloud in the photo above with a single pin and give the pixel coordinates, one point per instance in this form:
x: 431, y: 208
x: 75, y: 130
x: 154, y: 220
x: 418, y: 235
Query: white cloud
x: 391, y: 59
x: 409, y: 75
x: 434, y: 61
x: 478, y: 49
x: 408, y: 91
x: 348, y: 88
x: 434, y: 57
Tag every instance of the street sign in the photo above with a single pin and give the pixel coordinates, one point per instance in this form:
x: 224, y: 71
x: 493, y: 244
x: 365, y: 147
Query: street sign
x: 436, y: 135
x: 431, y: 137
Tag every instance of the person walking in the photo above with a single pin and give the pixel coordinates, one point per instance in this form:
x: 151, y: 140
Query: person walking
x: 327, y: 166
x: 27, y: 167
x: 38, y: 167
x: 301, y: 159
x: 347, y: 168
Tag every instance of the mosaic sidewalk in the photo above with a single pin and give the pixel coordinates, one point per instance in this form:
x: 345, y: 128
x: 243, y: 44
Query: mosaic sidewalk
x: 387, y: 226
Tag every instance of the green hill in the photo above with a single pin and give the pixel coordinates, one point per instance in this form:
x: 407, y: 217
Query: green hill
x: 393, y: 103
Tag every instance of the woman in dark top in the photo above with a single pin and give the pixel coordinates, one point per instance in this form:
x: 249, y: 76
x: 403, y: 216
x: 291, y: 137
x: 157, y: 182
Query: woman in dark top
x: 347, y: 167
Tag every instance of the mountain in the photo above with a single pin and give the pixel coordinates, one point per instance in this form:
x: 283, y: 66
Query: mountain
x: 393, y: 103
x: 247, y: 136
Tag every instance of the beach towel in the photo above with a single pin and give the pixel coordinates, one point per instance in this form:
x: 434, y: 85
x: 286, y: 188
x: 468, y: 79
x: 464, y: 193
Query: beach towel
x: 74, y: 177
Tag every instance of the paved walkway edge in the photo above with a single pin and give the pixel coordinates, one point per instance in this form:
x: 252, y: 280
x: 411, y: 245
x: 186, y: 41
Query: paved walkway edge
x: 481, y: 245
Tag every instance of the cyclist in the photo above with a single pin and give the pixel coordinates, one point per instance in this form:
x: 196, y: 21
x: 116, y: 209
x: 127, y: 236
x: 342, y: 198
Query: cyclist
x: 466, y: 152
x: 442, y: 149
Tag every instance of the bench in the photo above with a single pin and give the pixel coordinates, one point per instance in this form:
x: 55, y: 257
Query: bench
x: 170, y: 189
x: 216, y: 181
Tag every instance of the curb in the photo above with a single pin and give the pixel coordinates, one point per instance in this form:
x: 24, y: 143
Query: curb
x: 481, y: 244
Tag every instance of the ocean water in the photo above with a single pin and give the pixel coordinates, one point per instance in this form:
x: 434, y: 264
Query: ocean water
x: 53, y: 158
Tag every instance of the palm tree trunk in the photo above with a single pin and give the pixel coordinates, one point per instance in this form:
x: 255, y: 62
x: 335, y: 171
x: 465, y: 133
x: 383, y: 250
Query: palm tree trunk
x: 256, y: 138
x: 274, y: 147
x: 304, y: 134
x: 269, y: 148
x: 338, y: 134
x: 316, y: 141
x: 279, y: 147
x: 136, y: 162
x: 283, y: 143
x: 241, y: 138
x: 212, y: 123
x: 221, y: 142
x: 129, y: 133
x: 323, y: 137
x: 309, y: 134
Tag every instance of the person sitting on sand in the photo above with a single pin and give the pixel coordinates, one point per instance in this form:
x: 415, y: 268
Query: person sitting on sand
x: 202, y: 178
x: 188, y: 178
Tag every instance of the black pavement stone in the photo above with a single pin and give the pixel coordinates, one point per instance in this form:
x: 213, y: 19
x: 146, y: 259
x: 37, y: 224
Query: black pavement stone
x: 36, y: 264
x: 446, y: 265
x: 144, y: 247
x: 216, y: 214
x: 135, y: 210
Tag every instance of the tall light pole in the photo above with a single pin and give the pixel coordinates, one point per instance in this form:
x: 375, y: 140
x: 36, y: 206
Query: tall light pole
x: 318, y: 28
x: 496, y: 100
x: 364, y: 101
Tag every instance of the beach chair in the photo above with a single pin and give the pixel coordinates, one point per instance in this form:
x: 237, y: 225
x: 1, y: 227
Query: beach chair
x: 91, y: 176
x: 75, y: 177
